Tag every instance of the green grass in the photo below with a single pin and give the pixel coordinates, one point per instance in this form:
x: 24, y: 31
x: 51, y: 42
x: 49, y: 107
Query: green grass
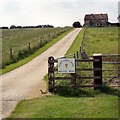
x: 97, y: 40
x: 68, y: 102
x: 38, y: 52
x: 19, y: 39
x: 101, y: 40
x: 76, y: 44
x: 89, y: 104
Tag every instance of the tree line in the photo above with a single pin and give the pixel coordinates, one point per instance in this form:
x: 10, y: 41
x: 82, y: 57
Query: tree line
x: 38, y: 26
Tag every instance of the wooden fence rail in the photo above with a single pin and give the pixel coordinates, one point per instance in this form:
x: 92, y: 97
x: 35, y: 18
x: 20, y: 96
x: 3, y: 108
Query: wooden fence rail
x: 96, y: 60
x: 97, y: 70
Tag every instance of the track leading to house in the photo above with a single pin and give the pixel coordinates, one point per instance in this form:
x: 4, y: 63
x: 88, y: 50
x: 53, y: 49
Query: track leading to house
x: 19, y: 83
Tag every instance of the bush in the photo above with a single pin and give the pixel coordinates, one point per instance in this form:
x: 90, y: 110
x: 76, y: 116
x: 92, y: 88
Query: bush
x: 77, y: 24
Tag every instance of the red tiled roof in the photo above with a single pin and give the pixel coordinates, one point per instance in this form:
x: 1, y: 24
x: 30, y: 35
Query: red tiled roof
x: 96, y: 17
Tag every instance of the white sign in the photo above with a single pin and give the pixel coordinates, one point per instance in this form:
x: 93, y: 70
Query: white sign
x: 66, y: 65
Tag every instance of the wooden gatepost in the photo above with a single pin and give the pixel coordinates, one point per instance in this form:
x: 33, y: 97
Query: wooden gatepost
x: 97, y: 65
x: 73, y: 76
x: 51, y: 74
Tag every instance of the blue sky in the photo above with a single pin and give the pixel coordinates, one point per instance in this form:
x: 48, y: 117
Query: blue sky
x: 54, y: 12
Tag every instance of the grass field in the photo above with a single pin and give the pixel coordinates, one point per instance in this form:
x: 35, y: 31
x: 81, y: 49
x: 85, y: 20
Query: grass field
x: 73, y: 103
x: 105, y: 41
x: 35, y: 54
x: 19, y: 39
x: 101, y: 40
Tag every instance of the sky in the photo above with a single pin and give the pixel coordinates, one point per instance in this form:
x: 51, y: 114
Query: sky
x: 53, y: 12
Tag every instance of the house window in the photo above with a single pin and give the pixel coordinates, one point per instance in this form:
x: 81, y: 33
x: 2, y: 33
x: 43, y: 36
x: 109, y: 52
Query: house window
x: 98, y: 24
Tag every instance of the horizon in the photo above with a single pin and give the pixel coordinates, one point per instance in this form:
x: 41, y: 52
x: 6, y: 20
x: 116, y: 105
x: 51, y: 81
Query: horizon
x: 58, y: 14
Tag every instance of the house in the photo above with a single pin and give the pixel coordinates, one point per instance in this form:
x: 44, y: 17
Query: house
x: 96, y: 20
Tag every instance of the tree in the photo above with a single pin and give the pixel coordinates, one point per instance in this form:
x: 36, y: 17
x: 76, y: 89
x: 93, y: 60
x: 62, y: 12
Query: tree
x: 77, y: 24
x: 12, y: 26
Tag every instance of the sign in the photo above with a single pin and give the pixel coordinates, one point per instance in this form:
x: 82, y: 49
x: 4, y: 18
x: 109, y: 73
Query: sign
x: 66, y: 65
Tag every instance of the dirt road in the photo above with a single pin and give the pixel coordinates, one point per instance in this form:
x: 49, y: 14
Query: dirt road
x: 27, y: 80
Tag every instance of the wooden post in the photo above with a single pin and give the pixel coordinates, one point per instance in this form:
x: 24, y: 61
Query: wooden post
x: 40, y: 42
x: 29, y: 46
x: 77, y: 57
x: 41, y: 38
x: 73, y: 75
x: 51, y: 74
x: 11, y: 56
x: 48, y: 36
x: 80, y: 50
x: 74, y: 55
x: 97, y: 65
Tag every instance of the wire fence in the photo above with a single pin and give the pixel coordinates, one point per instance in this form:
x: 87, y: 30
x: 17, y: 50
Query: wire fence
x: 14, y: 56
x: 78, y: 54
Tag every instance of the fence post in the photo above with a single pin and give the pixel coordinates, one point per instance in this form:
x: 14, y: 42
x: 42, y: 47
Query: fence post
x: 29, y: 46
x: 73, y: 75
x: 97, y: 65
x: 74, y: 55
x: 11, y: 56
x: 77, y: 57
x: 48, y: 36
x: 80, y: 52
x: 40, y: 42
x: 51, y: 74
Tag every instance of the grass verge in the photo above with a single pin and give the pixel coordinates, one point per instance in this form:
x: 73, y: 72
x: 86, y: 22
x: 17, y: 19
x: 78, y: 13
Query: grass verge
x: 76, y: 44
x: 38, y: 52
x: 88, y: 104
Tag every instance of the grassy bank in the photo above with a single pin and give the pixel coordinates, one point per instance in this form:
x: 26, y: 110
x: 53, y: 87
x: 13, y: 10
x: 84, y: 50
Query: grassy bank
x: 35, y: 54
x: 101, y: 40
x: 87, y: 104
x: 76, y: 44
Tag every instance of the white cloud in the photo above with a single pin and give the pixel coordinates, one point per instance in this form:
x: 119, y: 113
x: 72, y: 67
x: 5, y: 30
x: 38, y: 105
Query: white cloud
x: 56, y: 12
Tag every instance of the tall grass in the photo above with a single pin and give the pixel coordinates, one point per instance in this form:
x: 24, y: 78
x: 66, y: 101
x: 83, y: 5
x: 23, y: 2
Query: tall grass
x: 101, y: 40
x: 19, y: 39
